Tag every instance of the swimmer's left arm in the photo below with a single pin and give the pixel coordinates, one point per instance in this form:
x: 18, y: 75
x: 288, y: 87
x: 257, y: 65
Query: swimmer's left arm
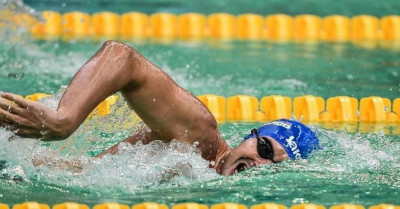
x: 144, y: 134
x: 74, y: 166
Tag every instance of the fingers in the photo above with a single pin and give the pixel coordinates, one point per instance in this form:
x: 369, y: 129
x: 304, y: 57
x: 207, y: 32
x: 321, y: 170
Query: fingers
x: 21, y: 130
x: 5, y: 124
x: 5, y: 115
x: 10, y: 107
x: 9, y: 125
x: 20, y: 116
x: 5, y: 121
x: 14, y: 114
x: 16, y: 99
x: 13, y: 122
x: 28, y: 132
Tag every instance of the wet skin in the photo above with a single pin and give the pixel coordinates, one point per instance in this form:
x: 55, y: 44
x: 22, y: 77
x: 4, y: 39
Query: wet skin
x: 168, y: 110
x: 246, y: 156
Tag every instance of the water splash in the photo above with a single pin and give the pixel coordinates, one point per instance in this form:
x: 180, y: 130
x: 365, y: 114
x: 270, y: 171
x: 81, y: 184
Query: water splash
x: 140, y: 170
x: 357, y: 157
x: 16, y: 6
x: 12, y: 27
x: 349, y: 164
x: 134, y: 168
x: 68, y: 163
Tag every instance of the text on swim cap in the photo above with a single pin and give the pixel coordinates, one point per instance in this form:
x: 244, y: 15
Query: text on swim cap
x: 282, y: 124
x: 293, y: 146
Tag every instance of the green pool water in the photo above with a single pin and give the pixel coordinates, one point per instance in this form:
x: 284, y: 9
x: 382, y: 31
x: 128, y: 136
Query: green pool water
x: 360, y: 168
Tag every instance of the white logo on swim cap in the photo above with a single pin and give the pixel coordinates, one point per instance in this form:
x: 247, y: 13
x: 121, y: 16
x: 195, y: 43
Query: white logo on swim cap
x: 279, y: 123
x: 293, y: 146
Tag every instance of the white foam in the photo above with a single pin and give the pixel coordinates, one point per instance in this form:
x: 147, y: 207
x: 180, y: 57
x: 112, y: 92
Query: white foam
x: 134, y: 167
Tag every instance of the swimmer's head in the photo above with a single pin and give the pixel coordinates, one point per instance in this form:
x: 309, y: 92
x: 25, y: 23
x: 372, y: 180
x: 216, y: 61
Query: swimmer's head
x: 273, y: 142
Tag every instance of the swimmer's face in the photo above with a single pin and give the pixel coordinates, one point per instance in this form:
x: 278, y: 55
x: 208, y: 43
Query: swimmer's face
x: 246, y: 156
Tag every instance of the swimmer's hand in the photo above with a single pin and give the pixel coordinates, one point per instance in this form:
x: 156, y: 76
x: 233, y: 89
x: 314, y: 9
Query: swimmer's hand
x: 30, y: 119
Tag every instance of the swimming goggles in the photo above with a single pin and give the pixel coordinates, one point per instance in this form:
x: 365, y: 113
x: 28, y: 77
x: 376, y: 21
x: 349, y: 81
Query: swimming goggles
x: 264, y: 146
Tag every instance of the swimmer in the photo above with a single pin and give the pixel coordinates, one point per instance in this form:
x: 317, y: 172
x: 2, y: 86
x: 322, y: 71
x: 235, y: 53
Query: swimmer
x: 167, y: 110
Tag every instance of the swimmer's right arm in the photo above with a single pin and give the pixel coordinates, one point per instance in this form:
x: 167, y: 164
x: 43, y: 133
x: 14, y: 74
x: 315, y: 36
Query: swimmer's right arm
x: 105, y: 73
x: 167, y: 109
x: 99, y: 77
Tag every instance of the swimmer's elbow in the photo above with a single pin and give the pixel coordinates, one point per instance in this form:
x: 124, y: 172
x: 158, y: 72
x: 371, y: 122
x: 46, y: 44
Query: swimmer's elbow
x: 131, y: 63
x: 111, y: 43
x: 123, y: 50
x: 118, y: 45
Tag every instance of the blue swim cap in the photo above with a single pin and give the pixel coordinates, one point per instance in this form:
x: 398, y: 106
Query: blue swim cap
x: 297, y: 139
